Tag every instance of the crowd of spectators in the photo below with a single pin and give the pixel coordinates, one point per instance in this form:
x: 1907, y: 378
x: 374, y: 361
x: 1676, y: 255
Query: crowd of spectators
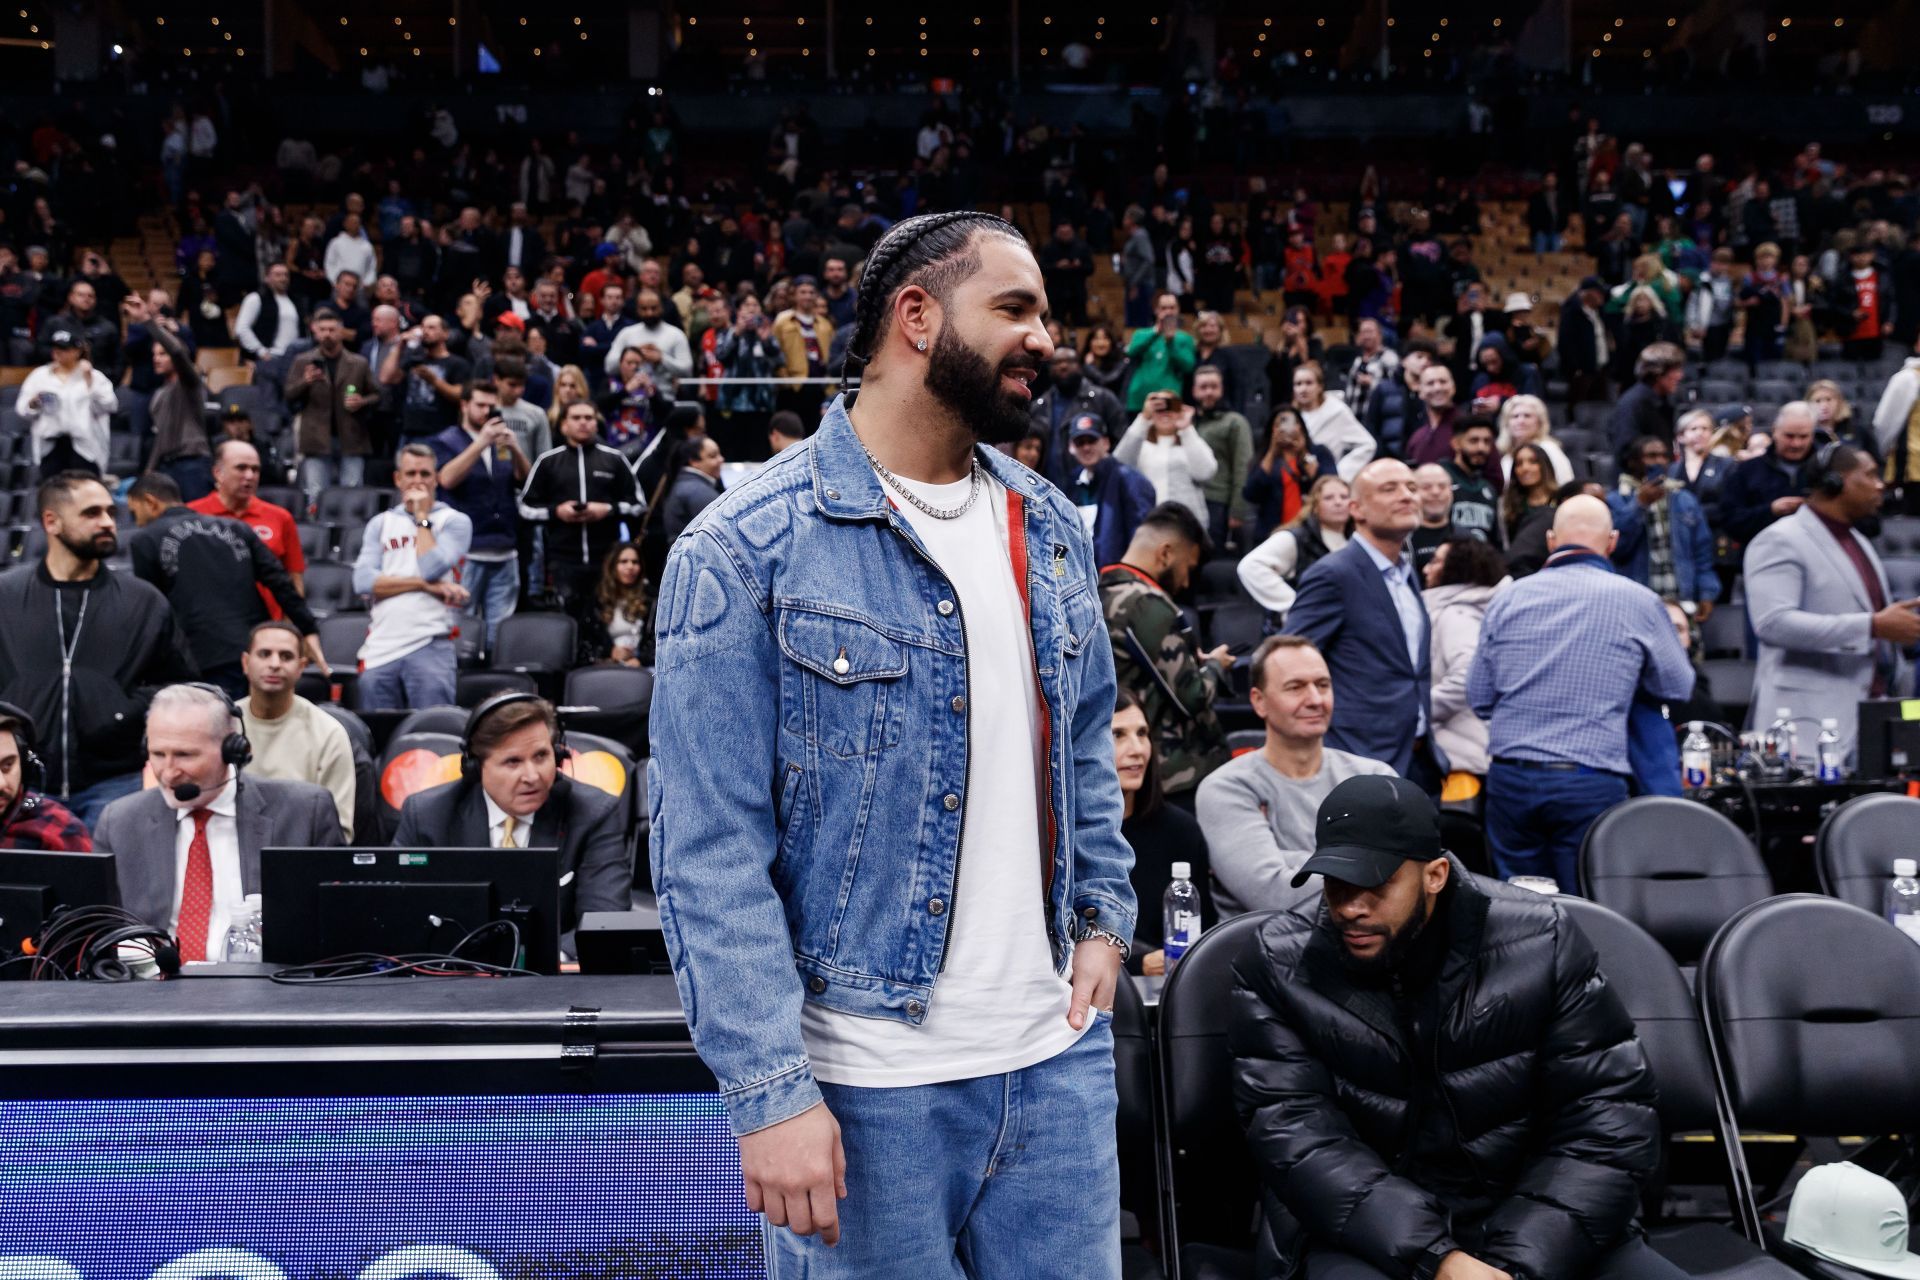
x: 549, y: 363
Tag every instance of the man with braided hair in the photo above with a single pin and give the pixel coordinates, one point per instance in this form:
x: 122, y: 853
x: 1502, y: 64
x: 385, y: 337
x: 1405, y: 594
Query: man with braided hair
x: 898, y: 901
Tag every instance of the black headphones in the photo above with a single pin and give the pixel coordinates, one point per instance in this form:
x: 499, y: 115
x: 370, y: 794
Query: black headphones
x: 1821, y: 477
x: 235, y: 749
x: 470, y: 763
x: 33, y: 773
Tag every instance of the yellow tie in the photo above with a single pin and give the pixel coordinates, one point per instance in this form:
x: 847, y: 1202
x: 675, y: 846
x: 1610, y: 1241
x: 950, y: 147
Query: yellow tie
x: 506, y: 833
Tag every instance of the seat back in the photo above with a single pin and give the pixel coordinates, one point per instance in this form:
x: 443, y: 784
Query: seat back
x: 341, y: 505
x: 451, y: 721
x: 289, y: 499
x: 330, y: 588
x: 1655, y: 995
x: 366, y: 778
x: 341, y: 636
x: 1812, y: 1011
x: 1674, y: 867
x: 351, y: 536
x: 412, y: 763
x: 1137, y: 1121
x: 471, y: 688
x: 316, y: 541
x: 1858, y: 843
x: 1211, y: 1181
x: 610, y: 685
x: 535, y: 642
x: 1731, y: 680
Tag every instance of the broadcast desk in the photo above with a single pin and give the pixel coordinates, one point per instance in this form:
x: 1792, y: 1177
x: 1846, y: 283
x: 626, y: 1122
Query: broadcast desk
x: 223, y: 1125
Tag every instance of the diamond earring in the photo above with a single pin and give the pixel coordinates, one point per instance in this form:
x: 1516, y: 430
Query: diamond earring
x: 922, y: 345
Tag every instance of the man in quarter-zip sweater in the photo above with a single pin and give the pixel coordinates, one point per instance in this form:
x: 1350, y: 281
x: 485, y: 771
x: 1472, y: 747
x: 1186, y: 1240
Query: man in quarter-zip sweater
x: 581, y: 491
x: 87, y: 650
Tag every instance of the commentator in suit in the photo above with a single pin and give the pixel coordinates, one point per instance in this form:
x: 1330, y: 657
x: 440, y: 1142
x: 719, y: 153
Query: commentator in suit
x: 187, y: 852
x: 1361, y: 608
x: 511, y: 794
x: 1830, y: 631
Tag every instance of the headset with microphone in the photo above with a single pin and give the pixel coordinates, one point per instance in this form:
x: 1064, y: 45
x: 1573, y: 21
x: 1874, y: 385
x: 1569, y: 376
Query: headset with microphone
x: 1821, y: 477
x: 33, y: 773
x: 470, y: 763
x: 236, y: 752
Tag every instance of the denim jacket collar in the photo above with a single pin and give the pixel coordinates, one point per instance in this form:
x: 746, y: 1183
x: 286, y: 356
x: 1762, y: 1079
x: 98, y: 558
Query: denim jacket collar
x: 846, y: 488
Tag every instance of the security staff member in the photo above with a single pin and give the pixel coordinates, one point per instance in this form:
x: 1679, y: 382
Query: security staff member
x: 511, y: 794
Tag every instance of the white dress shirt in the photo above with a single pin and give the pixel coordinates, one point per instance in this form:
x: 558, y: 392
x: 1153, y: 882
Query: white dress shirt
x: 223, y: 845
x: 1398, y: 575
x: 496, y: 824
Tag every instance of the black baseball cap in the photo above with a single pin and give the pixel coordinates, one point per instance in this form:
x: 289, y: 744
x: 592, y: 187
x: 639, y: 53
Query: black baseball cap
x: 1086, y: 426
x: 62, y: 337
x: 1367, y: 827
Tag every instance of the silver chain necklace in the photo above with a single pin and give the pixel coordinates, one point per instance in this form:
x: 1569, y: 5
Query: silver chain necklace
x: 938, y: 513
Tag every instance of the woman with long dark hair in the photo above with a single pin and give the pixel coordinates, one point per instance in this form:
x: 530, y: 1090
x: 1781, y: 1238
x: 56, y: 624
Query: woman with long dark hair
x: 620, y: 625
x: 1161, y: 834
x: 1527, y: 508
x: 1107, y: 361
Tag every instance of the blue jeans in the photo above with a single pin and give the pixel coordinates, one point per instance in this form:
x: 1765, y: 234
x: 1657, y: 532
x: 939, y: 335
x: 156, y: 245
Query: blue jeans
x: 493, y: 588
x: 1536, y: 819
x: 424, y: 678
x: 1546, y: 242
x: 1005, y: 1175
x: 320, y: 473
x: 88, y: 803
x: 1139, y: 307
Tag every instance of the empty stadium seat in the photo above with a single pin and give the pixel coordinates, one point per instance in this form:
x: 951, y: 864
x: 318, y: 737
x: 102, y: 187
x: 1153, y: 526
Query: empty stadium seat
x: 448, y: 720
x: 1731, y: 680
x: 1857, y: 845
x: 1899, y: 536
x: 1724, y: 634
x: 1903, y: 576
x: 341, y: 636
x: 1674, y: 867
x: 610, y: 685
x: 350, y: 536
x: 471, y: 688
x: 1812, y: 1013
x: 316, y: 540
x: 339, y: 505
x: 1238, y: 624
x: 535, y: 642
x: 366, y: 776
x: 286, y: 497
x: 1213, y: 1191
x: 1667, y: 1024
x: 330, y: 589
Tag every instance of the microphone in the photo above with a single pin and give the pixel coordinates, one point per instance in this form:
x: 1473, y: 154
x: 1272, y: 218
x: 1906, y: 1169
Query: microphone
x: 187, y: 792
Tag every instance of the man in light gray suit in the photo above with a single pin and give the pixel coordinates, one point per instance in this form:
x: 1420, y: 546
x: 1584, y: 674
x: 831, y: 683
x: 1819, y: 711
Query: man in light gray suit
x: 1830, y: 631
x: 188, y: 851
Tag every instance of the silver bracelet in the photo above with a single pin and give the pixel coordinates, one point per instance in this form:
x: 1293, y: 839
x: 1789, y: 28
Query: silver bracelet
x: 1094, y: 933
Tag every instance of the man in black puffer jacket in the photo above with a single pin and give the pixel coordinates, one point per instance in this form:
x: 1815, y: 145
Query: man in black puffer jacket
x: 1436, y: 1080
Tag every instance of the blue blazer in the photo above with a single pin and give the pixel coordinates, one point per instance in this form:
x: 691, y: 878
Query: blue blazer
x: 1345, y: 609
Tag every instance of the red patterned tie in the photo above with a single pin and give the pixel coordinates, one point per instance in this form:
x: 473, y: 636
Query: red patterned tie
x: 196, y: 896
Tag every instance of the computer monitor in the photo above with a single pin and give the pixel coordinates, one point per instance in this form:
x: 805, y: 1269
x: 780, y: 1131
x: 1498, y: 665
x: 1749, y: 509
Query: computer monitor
x: 35, y: 883
x: 1889, y: 738
x: 316, y: 904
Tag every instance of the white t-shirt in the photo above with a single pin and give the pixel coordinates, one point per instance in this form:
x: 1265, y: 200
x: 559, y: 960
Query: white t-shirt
x: 998, y: 1005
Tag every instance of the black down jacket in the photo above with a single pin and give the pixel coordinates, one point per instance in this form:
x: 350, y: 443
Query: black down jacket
x: 1491, y: 1097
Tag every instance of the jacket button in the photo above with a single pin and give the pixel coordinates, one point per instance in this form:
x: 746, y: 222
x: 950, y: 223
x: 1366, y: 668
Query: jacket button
x: 915, y: 1008
x: 816, y: 985
x: 945, y: 607
x: 959, y: 704
x: 950, y: 800
x: 936, y: 907
x: 1091, y: 913
x: 834, y: 494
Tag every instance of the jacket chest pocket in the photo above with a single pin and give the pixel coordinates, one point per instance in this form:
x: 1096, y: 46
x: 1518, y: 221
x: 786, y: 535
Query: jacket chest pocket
x: 840, y: 690
x: 1081, y: 613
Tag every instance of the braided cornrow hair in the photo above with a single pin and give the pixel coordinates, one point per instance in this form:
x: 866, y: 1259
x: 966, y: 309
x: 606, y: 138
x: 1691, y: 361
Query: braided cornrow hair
x: 910, y: 249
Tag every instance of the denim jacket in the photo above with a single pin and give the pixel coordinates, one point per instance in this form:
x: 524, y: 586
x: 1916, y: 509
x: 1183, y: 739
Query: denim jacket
x: 809, y: 771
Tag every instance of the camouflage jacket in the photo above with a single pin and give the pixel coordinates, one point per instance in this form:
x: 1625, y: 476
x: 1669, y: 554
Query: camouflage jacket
x: 1155, y: 660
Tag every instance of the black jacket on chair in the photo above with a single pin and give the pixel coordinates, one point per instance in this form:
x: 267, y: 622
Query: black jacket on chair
x: 583, y: 822
x: 1488, y: 1095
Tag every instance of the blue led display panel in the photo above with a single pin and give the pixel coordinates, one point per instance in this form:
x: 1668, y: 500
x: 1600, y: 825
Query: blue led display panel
x: 470, y: 1188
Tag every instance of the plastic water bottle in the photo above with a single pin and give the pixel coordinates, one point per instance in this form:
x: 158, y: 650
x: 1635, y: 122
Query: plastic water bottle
x: 1181, y: 912
x: 1782, y: 737
x: 1903, y: 898
x: 243, y: 932
x: 1696, y: 757
x: 1829, y: 752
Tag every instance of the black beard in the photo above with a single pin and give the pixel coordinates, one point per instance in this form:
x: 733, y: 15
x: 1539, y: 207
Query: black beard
x: 1397, y: 946
x: 963, y: 381
x: 91, y: 548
